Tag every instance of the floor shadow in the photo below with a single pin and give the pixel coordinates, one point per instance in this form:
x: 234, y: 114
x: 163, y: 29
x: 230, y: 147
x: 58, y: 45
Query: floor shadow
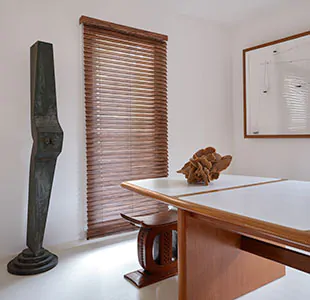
x: 164, y: 290
x: 7, y: 279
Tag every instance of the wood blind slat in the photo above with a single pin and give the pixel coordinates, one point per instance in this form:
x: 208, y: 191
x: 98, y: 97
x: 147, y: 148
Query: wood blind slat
x: 125, y: 74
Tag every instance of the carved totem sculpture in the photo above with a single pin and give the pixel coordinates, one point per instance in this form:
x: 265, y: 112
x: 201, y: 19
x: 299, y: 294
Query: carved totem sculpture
x: 47, y: 145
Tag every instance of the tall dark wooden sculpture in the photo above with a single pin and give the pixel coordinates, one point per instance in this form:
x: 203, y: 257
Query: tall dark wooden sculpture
x: 47, y: 144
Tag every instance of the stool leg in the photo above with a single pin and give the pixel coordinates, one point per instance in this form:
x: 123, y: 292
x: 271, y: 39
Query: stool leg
x: 153, y: 272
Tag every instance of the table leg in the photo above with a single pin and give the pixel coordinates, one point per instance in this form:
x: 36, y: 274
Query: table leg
x: 212, y: 266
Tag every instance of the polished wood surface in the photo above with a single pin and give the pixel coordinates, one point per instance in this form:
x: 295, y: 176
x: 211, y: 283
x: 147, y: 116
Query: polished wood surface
x: 155, y: 220
x: 299, y: 239
x: 123, y: 29
x: 182, y: 242
x: 142, y: 278
x: 224, y: 255
x: 212, y: 265
x: 160, y: 264
x: 281, y: 255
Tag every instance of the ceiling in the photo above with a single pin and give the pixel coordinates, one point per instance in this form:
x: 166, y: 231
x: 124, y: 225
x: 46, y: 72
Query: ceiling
x: 231, y: 11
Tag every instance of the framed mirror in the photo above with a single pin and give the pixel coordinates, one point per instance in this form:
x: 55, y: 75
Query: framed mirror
x: 276, y: 78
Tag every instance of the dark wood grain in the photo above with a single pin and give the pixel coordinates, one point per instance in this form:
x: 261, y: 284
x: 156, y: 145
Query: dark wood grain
x: 154, y: 220
x: 123, y: 29
x: 281, y: 255
x: 182, y: 258
x: 156, y: 233
x: 214, y: 267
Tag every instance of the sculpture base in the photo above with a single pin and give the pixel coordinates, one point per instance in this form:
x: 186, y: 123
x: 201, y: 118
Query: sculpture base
x: 26, y: 263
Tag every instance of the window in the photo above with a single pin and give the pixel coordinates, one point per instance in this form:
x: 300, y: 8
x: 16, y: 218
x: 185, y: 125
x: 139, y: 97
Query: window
x: 126, y: 120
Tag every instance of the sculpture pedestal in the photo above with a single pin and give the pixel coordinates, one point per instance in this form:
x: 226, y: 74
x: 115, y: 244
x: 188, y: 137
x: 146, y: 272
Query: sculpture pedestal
x: 26, y: 263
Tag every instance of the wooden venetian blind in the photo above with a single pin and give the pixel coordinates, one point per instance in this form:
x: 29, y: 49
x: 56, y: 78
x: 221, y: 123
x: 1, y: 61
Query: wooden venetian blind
x: 126, y: 120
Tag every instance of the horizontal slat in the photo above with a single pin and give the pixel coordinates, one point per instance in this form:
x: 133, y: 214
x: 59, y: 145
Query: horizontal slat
x: 115, y: 216
x: 128, y: 132
x: 113, y: 89
x: 109, y: 230
x: 159, y: 150
x: 132, y: 63
x: 99, y: 96
x: 137, y: 171
x: 116, y: 74
x: 128, y: 203
x: 101, y: 117
x: 105, y: 146
x: 121, y: 205
x: 96, y: 39
x: 111, y: 45
x: 102, y: 108
x: 125, y: 82
x: 93, y: 85
x: 125, y: 73
x: 133, y: 170
x: 120, y: 71
x: 135, y: 58
x: 129, y: 94
x: 121, y: 103
x: 96, y: 202
x: 106, y: 181
x: 106, y: 62
x: 94, y: 217
x: 101, y: 123
x: 127, y: 155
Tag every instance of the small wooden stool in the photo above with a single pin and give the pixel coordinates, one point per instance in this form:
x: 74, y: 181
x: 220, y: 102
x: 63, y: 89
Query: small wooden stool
x: 157, y: 248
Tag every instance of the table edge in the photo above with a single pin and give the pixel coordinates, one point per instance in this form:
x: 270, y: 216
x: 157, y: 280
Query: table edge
x: 256, y: 228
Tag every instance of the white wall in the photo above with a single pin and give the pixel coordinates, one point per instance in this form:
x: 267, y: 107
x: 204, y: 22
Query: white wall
x: 286, y: 158
x: 199, y: 112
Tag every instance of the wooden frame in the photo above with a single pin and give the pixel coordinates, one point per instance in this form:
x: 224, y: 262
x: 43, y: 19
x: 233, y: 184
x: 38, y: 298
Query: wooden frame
x: 245, y: 51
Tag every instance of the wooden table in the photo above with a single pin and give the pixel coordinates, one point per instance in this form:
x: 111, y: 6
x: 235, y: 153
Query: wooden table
x: 237, y: 234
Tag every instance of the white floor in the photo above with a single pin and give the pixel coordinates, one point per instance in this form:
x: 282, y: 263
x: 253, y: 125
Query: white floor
x: 95, y: 272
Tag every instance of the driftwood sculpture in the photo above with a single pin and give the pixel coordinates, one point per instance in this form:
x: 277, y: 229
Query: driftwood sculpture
x: 205, y: 166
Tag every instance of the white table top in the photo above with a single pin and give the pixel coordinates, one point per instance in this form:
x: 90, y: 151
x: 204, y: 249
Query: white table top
x: 265, y: 207
x: 177, y: 185
x: 285, y: 203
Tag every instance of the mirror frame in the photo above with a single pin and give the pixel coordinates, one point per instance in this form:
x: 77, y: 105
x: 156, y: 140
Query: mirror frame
x: 245, y: 51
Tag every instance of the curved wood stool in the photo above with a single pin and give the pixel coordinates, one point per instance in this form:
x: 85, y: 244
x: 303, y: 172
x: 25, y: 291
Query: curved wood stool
x: 157, y: 248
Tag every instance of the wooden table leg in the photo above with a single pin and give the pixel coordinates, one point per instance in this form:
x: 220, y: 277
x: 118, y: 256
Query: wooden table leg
x: 212, y: 266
